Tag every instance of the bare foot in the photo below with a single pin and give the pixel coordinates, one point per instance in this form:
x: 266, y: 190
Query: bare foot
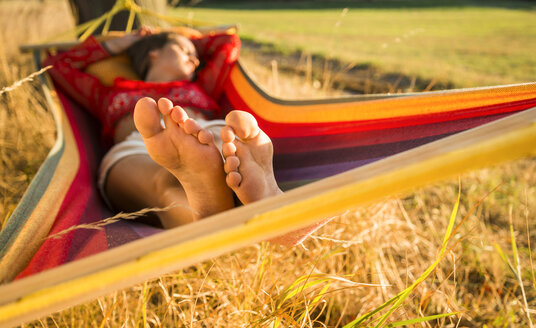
x: 248, y: 153
x: 187, y: 151
x: 249, y: 168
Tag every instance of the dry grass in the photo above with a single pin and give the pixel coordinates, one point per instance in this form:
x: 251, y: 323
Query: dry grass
x: 389, y: 243
x: 26, y: 128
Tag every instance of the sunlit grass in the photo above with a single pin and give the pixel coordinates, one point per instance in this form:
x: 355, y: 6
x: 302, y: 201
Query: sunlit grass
x: 467, y: 43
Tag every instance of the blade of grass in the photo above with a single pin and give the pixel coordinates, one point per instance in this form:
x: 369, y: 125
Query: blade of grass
x: 430, y: 269
x: 297, y: 286
x: 518, y: 269
x: 513, y: 241
x: 528, y: 243
x: 397, y: 300
x: 313, y: 303
x: 505, y: 259
x: 450, y: 227
x: 144, y: 305
x: 419, y: 320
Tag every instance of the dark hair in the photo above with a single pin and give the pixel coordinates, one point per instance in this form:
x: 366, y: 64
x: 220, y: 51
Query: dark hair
x: 139, y: 51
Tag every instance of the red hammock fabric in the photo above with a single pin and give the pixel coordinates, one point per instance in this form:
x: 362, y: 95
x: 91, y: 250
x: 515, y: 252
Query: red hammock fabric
x: 83, y: 204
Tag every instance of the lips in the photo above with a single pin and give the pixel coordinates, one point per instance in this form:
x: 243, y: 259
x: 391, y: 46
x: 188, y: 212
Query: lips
x: 191, y: 67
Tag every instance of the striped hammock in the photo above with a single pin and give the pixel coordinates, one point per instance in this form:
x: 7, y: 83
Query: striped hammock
x: 334, y: 154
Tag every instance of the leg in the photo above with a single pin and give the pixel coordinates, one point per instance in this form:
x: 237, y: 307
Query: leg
x: 248, y: 153
x: 136, y: 182
x: 187, y: 152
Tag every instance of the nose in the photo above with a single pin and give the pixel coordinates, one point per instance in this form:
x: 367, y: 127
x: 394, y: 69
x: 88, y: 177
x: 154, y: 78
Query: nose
x: 194, y: 60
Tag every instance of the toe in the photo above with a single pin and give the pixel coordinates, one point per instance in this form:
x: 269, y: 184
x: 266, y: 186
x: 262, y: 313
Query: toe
x: 165, y: 105
x: 227, y: 134
x: 178, y: 115
x: 191, y: 127
x: 205, y: 137
x: 243, y: 123
x: 231, y: 164
x: 233, y: 179
x: 147, y: 117
x: 228, y: 149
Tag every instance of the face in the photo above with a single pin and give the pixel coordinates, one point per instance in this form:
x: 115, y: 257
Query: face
x: 178, y: 59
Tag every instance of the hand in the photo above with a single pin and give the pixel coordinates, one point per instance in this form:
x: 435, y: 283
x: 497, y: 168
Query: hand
x: 118, y: 45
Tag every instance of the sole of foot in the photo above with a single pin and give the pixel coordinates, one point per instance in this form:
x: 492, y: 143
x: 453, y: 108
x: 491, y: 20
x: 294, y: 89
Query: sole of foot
x: 248, y: 153
x: 187, y: 151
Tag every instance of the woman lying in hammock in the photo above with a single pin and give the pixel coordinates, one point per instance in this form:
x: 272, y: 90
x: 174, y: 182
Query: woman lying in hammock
x: 169, y: 151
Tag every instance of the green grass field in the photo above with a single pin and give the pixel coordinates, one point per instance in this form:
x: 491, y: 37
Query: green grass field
x: 468, y: 43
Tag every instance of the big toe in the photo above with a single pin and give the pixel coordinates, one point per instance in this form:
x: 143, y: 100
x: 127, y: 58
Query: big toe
x: 243, y: 123
x: 147, y: 117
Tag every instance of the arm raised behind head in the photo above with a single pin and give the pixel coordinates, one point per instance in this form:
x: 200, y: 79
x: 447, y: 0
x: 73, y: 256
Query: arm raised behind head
x: 118, y: 45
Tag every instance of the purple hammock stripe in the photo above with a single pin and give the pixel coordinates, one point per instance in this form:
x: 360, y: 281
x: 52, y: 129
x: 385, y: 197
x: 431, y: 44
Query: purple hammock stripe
x: 319, y: 171
x: 350, y: 154
x: 144, y: 230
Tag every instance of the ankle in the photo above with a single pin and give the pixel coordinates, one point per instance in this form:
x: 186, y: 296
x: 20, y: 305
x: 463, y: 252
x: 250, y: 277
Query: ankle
x: 220, y: 199
x: 169, y: 192
x: 166, y: 188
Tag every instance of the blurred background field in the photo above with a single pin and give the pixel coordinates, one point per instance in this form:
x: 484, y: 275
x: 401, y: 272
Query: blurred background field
x: 467, y: 43
x: 389, y: 243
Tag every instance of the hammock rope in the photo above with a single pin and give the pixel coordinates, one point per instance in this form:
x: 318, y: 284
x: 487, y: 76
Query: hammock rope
x: 86, y: 29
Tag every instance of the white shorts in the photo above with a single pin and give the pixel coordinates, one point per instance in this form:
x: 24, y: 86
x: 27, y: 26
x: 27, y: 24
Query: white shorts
x: 134, y: 145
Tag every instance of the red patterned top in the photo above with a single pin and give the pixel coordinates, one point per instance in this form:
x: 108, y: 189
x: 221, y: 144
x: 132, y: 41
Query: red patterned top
x: 110, y: 103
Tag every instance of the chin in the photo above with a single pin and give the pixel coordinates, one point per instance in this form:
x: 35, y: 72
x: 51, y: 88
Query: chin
x: 189, y: 76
